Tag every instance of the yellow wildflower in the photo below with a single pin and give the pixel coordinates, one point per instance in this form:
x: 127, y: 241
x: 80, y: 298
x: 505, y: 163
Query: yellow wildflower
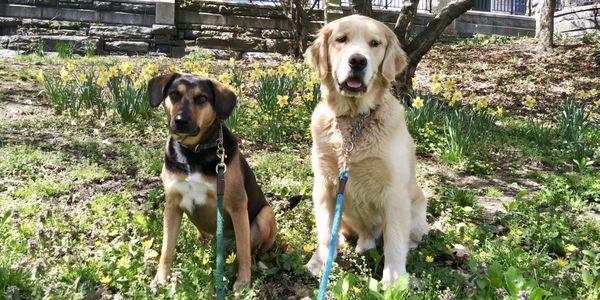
x: 97, y: 244
x: 570, y: 89
x: 310, y: 85
x: 571, y: 248
x: 205, y: 260
x: 282, y: 100
x: 594, y: 92
x: 448, y: 84
x: 174, y: 69
x: 147, y: 244
x: 255, y: 66
x: 529, y: 101
x: 582, y: 95
x: 472, y: 96
x: 314, y: 78
x: 70, y: 66
x: 435, y: 78
x: 101, y: 69
x: 562, y: 262
x: 413, y: 80
x: 597, y: 102
x: 436, y: 88
x: 429, y: 259
x: 309, y: 96
x: 417, y: 103
x: 500, y: 111
x: 230, y: 259
x: 456, y: 96
x: 123, y: 261
x: 104, y: 279
x: 447, y: 95
x: 40, y: 75
x: 80, y: 76
x: 64, y: 74
x: 225, y: 78
x: 126, y: 68
x: 102, y: 80
x: 112, y: 71
x: 137, y: 85
x: 270, y: 71
x: 232, y: 61
x: 308, y: 248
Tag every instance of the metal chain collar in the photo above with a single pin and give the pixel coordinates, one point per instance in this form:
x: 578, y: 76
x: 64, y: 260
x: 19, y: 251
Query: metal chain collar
x: 349, y: 142
x: 221, y: 150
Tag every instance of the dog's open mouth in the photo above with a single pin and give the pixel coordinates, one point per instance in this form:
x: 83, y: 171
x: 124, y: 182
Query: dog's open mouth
x: 354, y: 85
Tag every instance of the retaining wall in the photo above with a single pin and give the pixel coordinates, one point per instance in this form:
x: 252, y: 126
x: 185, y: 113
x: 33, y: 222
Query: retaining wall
x: 577, y: 21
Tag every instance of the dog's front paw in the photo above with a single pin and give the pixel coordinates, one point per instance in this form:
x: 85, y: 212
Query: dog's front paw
x: 314, y: 266
x: 159, y: 280
x: 365, y: 244
x: 241, y: 283
x: 390, y: 274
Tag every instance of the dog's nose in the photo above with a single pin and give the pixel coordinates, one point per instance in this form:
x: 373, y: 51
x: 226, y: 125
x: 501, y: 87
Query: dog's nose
x: 357, y: 62
x: 181, y: 121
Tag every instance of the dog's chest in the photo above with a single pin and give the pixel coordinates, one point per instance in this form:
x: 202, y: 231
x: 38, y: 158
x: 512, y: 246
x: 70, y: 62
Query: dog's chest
x: 195, y: 190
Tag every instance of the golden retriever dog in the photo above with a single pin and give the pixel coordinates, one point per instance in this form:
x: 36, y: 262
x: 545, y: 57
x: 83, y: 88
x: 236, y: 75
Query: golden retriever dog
x: 356, y: 59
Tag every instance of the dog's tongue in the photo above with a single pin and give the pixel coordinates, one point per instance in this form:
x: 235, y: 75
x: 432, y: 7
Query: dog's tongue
x: 353, y: 83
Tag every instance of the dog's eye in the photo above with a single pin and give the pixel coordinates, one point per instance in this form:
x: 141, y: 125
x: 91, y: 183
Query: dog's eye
x: 200, y: 99
x: 342, y: 39
x: 174, y: 96
x: 374, y: 43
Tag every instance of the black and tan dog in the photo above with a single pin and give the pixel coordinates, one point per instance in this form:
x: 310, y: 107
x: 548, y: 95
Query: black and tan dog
x: 195, y: 107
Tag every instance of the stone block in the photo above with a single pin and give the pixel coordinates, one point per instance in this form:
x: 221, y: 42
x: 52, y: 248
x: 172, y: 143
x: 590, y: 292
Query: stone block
x: 164, y: 29
x: 165, y: 12
x: 121, y: 32
x: 127, y: 46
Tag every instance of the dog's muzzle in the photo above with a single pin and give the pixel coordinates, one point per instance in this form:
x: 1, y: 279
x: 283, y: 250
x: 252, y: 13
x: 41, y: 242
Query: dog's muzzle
x: 354, y: 82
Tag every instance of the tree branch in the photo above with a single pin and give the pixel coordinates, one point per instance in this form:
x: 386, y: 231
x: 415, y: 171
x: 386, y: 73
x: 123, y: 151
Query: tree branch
x: 419, y: 46
x: 407, y: 15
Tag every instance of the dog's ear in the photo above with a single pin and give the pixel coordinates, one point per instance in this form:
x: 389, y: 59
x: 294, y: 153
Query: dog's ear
x: 224, y: 99
x: 395, y: 58
x: 317, y: 54
x: 157, y: 87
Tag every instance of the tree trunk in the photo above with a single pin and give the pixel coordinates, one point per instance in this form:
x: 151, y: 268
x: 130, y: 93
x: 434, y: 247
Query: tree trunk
x: 546, y: 34
x: 362, y: 7
x: 419, y: 46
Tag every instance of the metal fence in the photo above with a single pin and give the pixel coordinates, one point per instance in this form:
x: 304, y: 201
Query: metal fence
x: 513, y: 7
x: 425, y: 5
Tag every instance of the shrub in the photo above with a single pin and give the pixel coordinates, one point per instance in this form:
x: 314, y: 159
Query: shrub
x: 65, y: 49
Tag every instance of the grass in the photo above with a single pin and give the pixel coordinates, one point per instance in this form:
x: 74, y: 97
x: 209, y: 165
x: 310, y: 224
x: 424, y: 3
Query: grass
x: 81, y: 204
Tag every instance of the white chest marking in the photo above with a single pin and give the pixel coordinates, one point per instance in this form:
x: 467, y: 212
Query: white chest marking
x: 194, y: 190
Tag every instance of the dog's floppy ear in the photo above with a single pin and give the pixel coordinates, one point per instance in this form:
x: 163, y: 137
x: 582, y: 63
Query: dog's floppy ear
x: 317, y: 54
x: 395, y: 58
x: 224, y: 99
x: 157, y: 87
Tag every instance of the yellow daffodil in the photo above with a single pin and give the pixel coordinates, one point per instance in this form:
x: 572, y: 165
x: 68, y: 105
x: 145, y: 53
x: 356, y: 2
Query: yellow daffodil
x: 308, y: 248
x: 40, y: 75
x: 448, y: 84
x: 417, y: 103
x: 232, y: 61
x: 102, y: 80
x: 436, y: 88
x: 429, y: 259
x: 529, y: 101
x: 447, y: 95
x: 435, y: 78
x: 500, y: 111
x: 123, y: 261
x: 97, y: 244
x: 310, y: 85
x: 80, y: 76
x: 594, y: 92
x: 270, y: 71
x: 314, y: 78
x: 298, y: 98
x: 70, y: 66
x: 64, y: 74
x: 225, y: 78
x: 112, y: 71
x: 101, y: 69
x: 472, y: 96
x: 137, y: 85
x: 174, y: 69
x: 597, y: 103
x: 570, y: 90
x: 230, y: 259
x: 413, y: 80
x: 309, y: 96
x: 571, y: 248
x: 582, y: 95
x: 482, y: 103
x: 282, y: 100
x: 456, y: 96
x: 205, y: 260
x: 255, y: 66
x: 126, y: 68
x: 562, y: 262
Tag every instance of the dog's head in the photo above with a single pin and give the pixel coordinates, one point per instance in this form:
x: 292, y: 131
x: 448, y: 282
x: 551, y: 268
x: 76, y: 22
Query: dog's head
x: 192, y: 104
x: 356, y: 55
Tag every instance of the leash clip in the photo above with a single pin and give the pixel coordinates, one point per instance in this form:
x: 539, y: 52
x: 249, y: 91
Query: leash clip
x: 221, y: 151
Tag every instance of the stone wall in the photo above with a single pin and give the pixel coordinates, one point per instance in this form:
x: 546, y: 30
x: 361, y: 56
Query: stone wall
x: 577, y: 21
x: 162, y: 27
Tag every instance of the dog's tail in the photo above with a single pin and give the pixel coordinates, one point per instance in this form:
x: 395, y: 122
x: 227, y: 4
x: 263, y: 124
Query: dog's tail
x: 292, y: 202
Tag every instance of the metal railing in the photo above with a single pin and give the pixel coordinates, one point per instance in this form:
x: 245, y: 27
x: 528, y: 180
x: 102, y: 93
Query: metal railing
x: 513, y: 7
x: 424, y: 5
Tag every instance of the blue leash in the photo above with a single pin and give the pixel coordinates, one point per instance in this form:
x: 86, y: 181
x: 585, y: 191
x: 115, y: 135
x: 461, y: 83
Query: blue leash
x: 220, y: 169
x: 334, y: 234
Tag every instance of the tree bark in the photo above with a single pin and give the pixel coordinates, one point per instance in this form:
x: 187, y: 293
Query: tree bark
x: 362, y: 7
x: 546, y: 34
x: 419, y: 46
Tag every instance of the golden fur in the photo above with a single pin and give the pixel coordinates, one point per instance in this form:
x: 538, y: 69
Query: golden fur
x: 382, y: 196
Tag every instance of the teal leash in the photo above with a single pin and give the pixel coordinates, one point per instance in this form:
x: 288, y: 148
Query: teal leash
x: 334, y: 235
x: 221, y: 169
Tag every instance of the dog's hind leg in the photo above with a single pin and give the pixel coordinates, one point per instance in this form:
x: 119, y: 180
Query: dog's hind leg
x: 263, y: 230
